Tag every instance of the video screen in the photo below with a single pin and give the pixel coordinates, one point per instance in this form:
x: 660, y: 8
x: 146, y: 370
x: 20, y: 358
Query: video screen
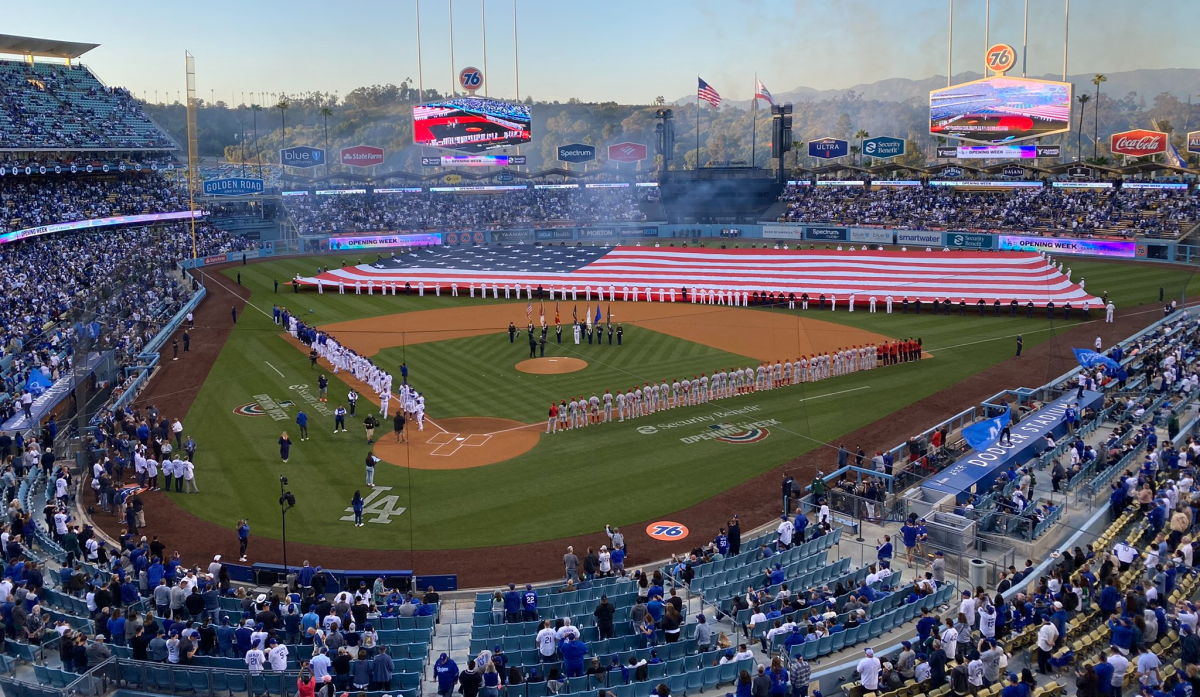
x: 1000, y: 110
x: 471, y: 124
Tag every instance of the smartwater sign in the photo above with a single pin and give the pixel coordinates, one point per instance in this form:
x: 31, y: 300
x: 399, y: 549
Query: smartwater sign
x: 302, y: 156
x: 883, y: 147
x: 828, y: 148
x: 931, y: 239
x: 233, y: 186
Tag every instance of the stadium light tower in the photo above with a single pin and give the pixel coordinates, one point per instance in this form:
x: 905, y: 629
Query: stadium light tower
x: 665, y: 145
x: 781, y: 135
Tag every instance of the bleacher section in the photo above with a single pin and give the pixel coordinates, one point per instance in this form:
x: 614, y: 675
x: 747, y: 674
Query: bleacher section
x: 47, y: 105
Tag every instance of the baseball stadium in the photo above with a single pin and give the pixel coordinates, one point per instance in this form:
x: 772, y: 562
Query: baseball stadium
x: 417, y: 391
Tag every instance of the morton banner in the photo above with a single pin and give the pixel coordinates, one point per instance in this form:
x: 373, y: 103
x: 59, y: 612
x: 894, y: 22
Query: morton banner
x: 1060, y: 245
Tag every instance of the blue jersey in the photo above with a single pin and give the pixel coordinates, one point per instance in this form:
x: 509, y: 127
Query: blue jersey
x: 909, y: 533
x: 885, y: 550
x: 722, y: 543
x: 529, y: 600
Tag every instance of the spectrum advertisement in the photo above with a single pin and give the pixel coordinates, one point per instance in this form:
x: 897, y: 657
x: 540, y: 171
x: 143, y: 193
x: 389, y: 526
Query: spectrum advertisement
x: 428, y: 239
x: 25, y: 234
x: 1060, y: 245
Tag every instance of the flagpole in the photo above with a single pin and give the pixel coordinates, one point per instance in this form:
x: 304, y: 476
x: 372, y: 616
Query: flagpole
x: 697, y: 163
x: 753, y: 121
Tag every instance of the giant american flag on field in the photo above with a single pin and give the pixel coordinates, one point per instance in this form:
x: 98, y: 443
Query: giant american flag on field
x: 970, y: 276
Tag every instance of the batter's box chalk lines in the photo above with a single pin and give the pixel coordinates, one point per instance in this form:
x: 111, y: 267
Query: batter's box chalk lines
x: 451, y: 442
x: 442, y: 438
x: 516, y: 428
x: 830, y: 394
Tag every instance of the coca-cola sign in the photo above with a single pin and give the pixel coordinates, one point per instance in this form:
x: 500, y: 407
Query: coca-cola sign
x: 1138, y: 143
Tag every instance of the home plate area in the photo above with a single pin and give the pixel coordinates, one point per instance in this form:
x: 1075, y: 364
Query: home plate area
x: 448, y: 443
x: 459, y: 443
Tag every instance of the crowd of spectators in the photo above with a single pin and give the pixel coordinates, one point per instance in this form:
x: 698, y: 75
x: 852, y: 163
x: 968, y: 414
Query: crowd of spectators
x: 32, y: 202
x: 452, y: 211
x: 45, y: 105
x: 105, y: 276
x: 1124, y: 212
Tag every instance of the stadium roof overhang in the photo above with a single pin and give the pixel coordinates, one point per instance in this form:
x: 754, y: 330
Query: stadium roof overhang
x: 1142, y: 167
x: 43, y: 48
x: 434, y: 176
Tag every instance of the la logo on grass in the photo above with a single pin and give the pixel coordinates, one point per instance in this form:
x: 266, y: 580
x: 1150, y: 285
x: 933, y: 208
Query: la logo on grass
x: 380, y: 505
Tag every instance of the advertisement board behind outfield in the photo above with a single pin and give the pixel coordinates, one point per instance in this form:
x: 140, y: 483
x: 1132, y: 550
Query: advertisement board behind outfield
x: 932, y: 239
x: 829, y: 234
x: 783, y: 232
x: 871, y: 236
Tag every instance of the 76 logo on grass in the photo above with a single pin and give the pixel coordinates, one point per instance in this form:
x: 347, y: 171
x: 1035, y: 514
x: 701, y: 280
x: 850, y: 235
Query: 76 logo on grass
x: 382, y: 507
x: 667, y: 530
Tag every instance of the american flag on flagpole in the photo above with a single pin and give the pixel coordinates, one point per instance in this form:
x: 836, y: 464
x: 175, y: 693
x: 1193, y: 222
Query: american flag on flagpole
x: 529, y: 311
x: 761, y: 92
x: 708, y: 94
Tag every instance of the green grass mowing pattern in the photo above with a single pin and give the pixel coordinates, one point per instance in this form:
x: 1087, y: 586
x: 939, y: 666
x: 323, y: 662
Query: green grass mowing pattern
x: 476, y: 376
x: 572, y: 483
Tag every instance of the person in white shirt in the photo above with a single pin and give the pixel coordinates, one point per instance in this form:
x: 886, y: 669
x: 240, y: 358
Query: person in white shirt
x: 785, y: 531
x: 278, y: 656
x: 743, y: 653
x: 1125, y: 554
x: 987, y: 621
x: 1047, y: 636
x: 949, y: 640
x: 868, y: 671
x: 1120, y: 666
x: 1186, y: 614
x: 547, y: 641
x: 967, y: 608
x: 255, y: 660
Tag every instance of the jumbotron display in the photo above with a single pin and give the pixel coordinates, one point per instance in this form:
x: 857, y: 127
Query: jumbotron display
x: 470, y: 124
x: 1000, y: 110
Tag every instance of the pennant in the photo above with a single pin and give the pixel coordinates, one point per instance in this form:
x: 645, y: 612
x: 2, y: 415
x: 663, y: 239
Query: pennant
x: 556, y: 319
x: 982, y: 434
x: 1090, y: 359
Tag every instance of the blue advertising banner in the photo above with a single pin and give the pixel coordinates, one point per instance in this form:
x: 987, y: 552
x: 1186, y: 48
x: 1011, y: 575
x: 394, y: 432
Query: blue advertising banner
x: 828, y: 234
x: 647, y: 231
x: 555, y: 234
x: 828, y: 148
x: 302, y: 156
x: 870, y: 235
x: 233, y: 186
x: 576, y: 153
x: 966, y: 240
x: 883, y: 147
x: 597, y: 233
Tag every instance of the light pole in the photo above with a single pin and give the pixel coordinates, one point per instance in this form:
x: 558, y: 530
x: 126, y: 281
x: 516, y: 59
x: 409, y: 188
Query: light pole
x: 286, y: 502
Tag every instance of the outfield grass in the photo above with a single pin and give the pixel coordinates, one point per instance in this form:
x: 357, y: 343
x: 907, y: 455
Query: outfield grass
x: 573, y: 483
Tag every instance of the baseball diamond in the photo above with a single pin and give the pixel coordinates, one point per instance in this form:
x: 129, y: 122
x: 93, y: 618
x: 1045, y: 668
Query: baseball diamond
x: 562, y: 384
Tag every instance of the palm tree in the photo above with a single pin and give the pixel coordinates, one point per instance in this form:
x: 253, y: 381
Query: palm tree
x: 862, y: 133
x: 282, y: 106
x: 1083, y: 99
x: 254, y: 109
x: 325, y: 113
x: 855, y: 150
x: 1096, y: 80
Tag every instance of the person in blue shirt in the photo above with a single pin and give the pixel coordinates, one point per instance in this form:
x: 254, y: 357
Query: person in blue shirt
x: 655, y: 608
x: 801, y: 525
x: 243, y: 533
x: 302, y: 422
x: 1110, y: 597
x: 765, y: 552
x: 225, y: 639
x: 1014, y: 688
x: 425, y: 609
x: 722, y: 542
x: 926, y: 624
x: 777, y: 575
x: 573, y: 650
x: 883, y: 550
x: 512, y: 604
x: 908, y: 535
x: 794, y: 638
x: 529, y: 603
x: 242, y: 637
x: 446, y: 671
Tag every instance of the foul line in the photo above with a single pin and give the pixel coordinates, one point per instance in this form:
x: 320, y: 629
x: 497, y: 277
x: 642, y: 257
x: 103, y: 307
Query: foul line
x: 213, y: 278
x: 853, y: 389
x: 275, y: 369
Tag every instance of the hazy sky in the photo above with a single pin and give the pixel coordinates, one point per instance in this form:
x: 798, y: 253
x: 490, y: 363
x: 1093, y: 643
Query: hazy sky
x: 622, y: 50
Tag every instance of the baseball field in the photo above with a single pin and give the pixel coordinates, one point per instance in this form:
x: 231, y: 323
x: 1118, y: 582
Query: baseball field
x: 484, y: 475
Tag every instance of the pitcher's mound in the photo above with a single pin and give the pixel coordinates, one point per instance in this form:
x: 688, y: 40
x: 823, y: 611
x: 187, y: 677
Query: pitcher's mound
x: 551, y: 366
x: 459, y: 444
